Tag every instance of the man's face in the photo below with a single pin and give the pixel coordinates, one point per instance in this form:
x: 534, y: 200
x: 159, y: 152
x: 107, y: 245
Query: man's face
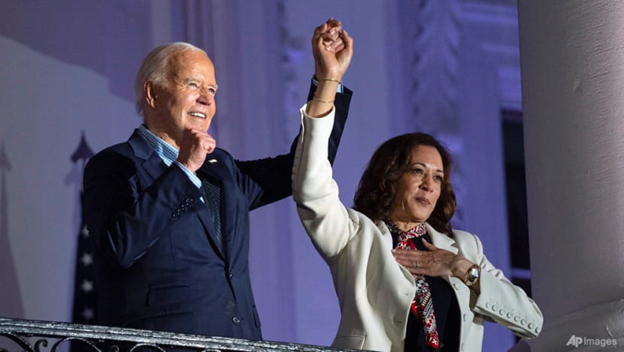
x: 186, y: 100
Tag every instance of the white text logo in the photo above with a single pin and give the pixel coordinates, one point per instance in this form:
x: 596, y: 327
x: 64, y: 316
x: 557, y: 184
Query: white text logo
x: 578, y: 340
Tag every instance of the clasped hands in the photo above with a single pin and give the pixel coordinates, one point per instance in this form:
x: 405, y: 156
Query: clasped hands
x: 332, y: 49
x: 432, y: 262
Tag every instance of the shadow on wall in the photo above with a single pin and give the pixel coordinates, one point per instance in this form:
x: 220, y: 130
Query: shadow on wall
x: 11, y: 302
x: 109, y: 33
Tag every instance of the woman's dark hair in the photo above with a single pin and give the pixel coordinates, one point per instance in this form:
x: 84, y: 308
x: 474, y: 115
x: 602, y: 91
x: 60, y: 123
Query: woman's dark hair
x: 378, y: 184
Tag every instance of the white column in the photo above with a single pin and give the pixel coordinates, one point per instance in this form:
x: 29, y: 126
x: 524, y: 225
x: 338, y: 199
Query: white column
x: 572, y: 84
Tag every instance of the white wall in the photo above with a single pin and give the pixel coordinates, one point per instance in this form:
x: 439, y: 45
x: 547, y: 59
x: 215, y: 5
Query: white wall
x: 45, y: 104
x: 67, y: 67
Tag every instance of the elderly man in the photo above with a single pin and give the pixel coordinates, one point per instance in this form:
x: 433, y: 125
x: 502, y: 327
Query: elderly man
x: 168, y: 211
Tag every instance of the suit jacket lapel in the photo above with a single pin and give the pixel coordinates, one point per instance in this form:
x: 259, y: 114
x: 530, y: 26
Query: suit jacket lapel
x: 154, y: 166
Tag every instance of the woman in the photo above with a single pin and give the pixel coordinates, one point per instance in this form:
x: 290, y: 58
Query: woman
x: 405, y: 280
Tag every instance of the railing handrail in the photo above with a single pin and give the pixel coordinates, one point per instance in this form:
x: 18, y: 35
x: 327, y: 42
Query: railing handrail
x: 21, y: 328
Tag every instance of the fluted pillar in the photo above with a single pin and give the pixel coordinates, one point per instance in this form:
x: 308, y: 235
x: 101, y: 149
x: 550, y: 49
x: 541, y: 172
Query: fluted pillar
x: 572, y: 60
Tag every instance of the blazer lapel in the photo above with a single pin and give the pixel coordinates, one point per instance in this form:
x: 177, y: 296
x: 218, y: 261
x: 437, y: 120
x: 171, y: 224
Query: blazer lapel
x: 152, y: 164
x: 387, y: 240
x: 387, y: 236
x: 442, y: 241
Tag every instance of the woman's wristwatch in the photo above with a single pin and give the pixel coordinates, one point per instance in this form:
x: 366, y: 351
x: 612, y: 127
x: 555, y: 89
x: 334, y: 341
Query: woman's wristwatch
x: 472, y: 275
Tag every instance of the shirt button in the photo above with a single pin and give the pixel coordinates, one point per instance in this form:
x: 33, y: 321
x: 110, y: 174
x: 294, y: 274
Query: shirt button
x: 231, y: 276
x: 531, y: 325
x: 523, y: 322
x: 509, y: 315
x: 465, y: 317
x: 516, y: 319
x: 235, y: 320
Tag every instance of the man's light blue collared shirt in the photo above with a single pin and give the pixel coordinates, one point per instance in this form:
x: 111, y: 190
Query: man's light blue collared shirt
x: 167, y: 153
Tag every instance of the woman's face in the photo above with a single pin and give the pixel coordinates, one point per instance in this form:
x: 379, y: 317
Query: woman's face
x: 419, y: 188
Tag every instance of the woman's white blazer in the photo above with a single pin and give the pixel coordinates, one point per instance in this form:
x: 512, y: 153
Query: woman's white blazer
x: 374, y: 291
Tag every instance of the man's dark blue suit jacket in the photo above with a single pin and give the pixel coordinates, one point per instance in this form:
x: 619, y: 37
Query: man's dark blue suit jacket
x: 158, y: 264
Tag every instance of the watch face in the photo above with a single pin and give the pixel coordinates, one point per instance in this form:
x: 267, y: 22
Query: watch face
x: 474, y: 274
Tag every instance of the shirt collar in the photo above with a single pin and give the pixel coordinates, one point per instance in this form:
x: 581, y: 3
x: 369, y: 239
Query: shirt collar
x: 166, y: 151
x: 414, y: 232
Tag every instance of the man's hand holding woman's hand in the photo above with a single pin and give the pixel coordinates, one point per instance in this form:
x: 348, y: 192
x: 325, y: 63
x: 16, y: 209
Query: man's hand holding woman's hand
x: 332, y: 48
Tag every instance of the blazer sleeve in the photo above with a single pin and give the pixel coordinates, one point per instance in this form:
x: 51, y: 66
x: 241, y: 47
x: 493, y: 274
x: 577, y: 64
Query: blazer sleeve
x: 268, y: 180
x: 124, y: 217
x: 324, y: 217
x: 503, y: 302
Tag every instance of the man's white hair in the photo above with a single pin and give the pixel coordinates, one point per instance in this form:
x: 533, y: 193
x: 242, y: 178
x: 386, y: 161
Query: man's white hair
x: 155, y: 68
